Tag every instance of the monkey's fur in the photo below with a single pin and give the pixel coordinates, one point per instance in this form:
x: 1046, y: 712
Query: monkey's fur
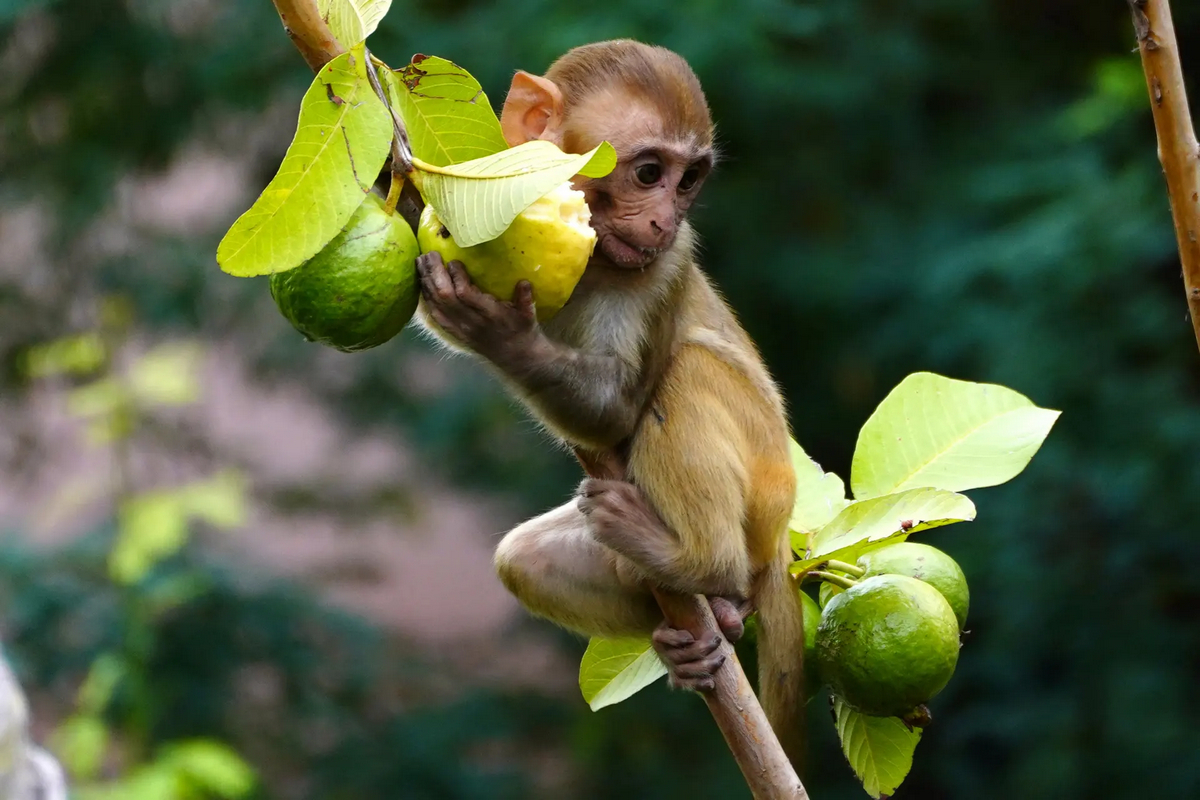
x: 647, y: 368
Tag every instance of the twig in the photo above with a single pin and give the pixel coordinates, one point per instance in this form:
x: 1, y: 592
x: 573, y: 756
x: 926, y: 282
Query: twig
x: 732, y: 702
x: 1177, y: 147
x: 735, y: 708
x: 308, y: 32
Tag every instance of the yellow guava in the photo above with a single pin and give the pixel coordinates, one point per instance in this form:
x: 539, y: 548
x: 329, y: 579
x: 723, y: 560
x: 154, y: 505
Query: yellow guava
x: 548, y: 244
x: 361, y: 289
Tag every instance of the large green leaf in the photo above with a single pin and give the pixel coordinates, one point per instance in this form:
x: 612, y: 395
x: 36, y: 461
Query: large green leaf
x: 477, y: 200
x: 447, y: 115
x: 613, y: 670
x: 342, y: 139
x: 820, y: 496
x: 352, y: 21
x: 955, y: 435
x: 867, y: 521
x: 879, y: 749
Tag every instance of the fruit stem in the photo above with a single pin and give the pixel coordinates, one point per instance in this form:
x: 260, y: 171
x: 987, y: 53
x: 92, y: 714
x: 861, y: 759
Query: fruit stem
x: 849, y: 569
x: 394, y: 190
x: 834, y: 578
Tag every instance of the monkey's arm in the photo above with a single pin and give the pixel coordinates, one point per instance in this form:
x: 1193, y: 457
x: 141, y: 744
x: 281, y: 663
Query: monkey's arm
x: 591, y: 398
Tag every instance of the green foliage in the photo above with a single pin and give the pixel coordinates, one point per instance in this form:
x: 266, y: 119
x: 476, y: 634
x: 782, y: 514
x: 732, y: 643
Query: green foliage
x: 919, y: 198
x: 879, y: 749
x: 820, y: 496
x: 352, y: 21
x: 954, y: 435
x: 612, y: 670
x: 343, y: 136
x: 445, y: 111
x: 478, y: 200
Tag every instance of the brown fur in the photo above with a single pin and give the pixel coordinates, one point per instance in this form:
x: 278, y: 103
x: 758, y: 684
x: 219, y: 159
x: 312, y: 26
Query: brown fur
x: 645, y: 365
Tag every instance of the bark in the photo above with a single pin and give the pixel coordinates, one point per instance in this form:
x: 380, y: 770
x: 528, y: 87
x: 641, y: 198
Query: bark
x: 1177, y: 147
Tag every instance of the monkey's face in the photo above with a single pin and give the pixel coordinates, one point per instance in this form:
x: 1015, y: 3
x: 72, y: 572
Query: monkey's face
x: 638, y: 207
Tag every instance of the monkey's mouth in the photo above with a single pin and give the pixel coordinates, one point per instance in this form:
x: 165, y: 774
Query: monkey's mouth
x: 623, y: 254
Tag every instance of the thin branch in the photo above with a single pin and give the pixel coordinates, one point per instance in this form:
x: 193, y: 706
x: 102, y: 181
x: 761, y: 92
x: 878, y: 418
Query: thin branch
x: 308, y: 31
x: 1177, y: 147
x: 735, y: 708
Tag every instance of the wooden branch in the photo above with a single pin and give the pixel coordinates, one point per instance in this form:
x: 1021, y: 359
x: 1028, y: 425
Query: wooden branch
x: 308, y: 31
x: 1177, y: 147
x: 735, y: 708
x: 732, y: 703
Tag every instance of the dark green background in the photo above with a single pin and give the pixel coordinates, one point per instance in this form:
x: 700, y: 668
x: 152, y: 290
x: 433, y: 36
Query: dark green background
x: 963, y: 186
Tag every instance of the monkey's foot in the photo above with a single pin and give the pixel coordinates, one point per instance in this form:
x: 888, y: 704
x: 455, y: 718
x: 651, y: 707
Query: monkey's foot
x: 731, y: 613
x: 691, y: 663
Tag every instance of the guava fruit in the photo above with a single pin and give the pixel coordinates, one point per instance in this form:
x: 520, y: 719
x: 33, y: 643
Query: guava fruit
x: 361, y: 289
x: 548, y: 244
x: 924, y: 563
x: 887, y: 644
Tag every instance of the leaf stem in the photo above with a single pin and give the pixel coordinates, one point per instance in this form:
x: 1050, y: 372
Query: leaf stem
x: 834, y: 578
x: 402, y: 155
x: 849, y: 569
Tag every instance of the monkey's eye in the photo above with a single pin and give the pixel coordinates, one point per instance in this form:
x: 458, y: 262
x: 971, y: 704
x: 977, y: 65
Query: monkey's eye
x: 688, y: 179
x: 648, y: 174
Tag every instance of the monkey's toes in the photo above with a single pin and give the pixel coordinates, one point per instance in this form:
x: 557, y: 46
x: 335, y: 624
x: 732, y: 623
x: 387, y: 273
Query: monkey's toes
x: 729, y: 618
x: 697, y: 676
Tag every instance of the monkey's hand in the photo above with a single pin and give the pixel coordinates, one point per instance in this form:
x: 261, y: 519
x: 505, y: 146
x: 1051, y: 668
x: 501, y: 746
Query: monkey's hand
x: 493, y: 328
x: 691, y: 663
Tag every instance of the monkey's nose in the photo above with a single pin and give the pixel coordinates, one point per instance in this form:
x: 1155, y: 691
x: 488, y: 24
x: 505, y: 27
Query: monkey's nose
x: 654, y: 226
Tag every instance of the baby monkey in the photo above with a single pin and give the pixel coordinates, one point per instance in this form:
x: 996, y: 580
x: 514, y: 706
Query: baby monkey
x: 648, y: 376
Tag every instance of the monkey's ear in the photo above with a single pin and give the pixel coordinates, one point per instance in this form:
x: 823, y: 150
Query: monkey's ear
x: 533, y: 109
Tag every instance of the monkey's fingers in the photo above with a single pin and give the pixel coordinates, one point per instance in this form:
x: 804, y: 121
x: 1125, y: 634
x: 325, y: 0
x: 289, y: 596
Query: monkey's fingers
x: 436, y: 285
x: 697, y: 676
x: 672, y: 637
x: 523, y: 300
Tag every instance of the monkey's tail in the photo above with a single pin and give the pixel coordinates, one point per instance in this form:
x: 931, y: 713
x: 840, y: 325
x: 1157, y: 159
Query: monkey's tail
x: 781, y: 655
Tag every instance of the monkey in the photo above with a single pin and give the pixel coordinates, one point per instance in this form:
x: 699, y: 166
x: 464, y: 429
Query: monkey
x: 648, y: 376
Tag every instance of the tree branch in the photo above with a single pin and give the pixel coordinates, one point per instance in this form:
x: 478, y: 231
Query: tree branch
x: 1177, y: 147
x: 308, y: 31
x: 735, y: 708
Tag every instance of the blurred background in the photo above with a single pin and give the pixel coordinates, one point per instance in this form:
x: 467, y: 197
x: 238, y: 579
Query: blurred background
x: 266, y: 564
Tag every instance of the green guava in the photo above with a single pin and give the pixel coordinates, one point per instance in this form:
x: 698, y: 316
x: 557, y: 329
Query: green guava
x: 924, y: 563
x: 361, y: 289
x: 887, y: 644
x: 548, y: 244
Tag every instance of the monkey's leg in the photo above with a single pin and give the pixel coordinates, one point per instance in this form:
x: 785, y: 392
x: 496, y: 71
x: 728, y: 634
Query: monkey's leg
x: 558, y: 570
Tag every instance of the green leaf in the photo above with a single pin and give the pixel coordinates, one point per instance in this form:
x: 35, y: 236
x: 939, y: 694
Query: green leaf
x: 80, y: 742
x: 879, y: 749
x: 867, y: 521
x: 478, y: 200
x: 150, y: 527
x: 107, y: 671
x: 352, y: 21
x: 167, y: 375
x: 613, y: 670
x: 211, y: 767
x: 74, y: 355
x: 220, y: 500
x: 820, y: 496
x: 343, y: 136
x: 447, y: 115
x: 954, y: 435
